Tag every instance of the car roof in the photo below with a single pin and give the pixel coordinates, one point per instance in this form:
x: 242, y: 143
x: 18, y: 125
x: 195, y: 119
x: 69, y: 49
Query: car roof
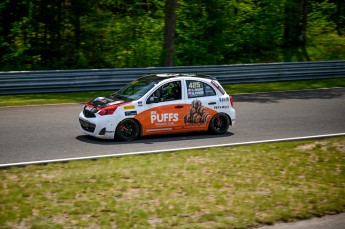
x: 164, y: 76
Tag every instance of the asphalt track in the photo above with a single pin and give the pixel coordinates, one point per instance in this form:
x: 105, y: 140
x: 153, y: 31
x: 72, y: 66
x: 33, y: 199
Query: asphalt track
x: 326, y: 222
x: 51, y: 132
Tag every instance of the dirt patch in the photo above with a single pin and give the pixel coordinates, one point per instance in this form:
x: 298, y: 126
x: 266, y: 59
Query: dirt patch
x: 199, y: 160
x: 340, y: 147
x: 312, y: 146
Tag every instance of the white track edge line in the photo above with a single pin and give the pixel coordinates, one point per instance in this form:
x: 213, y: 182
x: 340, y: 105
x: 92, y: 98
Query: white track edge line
x: 167, y: 150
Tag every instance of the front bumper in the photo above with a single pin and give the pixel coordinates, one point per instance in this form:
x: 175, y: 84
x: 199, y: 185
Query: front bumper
x: 96, y: 127
x: 87, y: 126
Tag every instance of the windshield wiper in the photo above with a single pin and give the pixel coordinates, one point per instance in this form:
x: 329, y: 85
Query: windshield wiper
x: 119, y: 96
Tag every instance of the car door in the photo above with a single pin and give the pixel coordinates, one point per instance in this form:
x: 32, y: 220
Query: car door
x: 201, y: 104
x: 164, y: 109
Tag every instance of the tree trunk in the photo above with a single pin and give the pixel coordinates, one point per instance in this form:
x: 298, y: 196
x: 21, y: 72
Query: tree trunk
x: 338, y: 18
x: 169, y: 32
x: 296, y: 12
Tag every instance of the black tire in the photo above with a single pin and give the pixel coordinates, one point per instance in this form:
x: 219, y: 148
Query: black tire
x: 219, y: 124
x: 127, y: 130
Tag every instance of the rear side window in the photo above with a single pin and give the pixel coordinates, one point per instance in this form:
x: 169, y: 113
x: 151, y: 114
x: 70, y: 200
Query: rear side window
x: 199, y: 89
x: 216, y: 84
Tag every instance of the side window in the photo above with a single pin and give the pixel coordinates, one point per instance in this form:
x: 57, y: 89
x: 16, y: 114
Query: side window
x: 168, y: 92
x: 209, y: 91
x: 199, y: 89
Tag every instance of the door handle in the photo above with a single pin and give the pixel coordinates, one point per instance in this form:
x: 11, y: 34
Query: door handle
x: 179, y: 106
x: 212, y: 103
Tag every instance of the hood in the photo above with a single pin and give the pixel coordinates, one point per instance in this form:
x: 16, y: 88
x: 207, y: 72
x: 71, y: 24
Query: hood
x: 101, y: 102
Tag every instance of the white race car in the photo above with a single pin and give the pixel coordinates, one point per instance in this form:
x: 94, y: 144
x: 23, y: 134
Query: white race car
x: 160, y: 104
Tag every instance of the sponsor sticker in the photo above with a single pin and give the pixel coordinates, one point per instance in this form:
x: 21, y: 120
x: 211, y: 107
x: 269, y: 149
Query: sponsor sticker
x: 226, y: 99
x: 221, y: 107
x: 140, y: 104
x: 131, y: 107
x: 163, y: 118
x: 131, y: 113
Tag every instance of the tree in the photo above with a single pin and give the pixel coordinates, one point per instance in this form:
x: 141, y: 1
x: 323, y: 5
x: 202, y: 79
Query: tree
x: 296, y: 12
x: 340, y: 16
x: 169, y: 32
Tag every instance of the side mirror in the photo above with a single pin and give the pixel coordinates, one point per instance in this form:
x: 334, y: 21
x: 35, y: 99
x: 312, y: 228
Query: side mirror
x: 152, y: 99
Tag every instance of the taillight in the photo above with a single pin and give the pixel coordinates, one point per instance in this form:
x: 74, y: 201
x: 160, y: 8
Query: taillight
x: 231, y: 101
x: 107, y: 110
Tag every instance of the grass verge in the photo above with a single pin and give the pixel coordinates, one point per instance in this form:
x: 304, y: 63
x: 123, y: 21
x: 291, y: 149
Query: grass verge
x: 75, y: 97
x: 284, y: 86
x: 225, y: 187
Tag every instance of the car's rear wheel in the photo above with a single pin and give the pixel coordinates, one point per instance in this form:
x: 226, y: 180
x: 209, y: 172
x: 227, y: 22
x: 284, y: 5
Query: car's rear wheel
x: 127, y: 130
x: 219, y: 124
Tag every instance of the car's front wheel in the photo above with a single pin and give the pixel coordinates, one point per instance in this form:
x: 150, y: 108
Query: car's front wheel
x: 127, y: 130
x: 219, y: 124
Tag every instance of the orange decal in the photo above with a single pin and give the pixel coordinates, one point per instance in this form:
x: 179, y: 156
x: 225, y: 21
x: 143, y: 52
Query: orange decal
x: 161, y: 119
x: 175, y: 118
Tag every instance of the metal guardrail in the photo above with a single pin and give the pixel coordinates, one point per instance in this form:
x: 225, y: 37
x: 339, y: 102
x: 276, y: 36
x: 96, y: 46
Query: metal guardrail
x: 22, y: 82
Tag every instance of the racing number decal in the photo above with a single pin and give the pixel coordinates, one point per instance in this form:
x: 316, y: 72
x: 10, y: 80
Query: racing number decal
x: 195, y: 89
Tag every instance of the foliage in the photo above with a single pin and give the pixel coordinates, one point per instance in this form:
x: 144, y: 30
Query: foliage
x: 74, y: 34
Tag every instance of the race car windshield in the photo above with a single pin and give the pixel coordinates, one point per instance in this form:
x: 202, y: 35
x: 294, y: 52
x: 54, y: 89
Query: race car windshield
x: 137, y: 89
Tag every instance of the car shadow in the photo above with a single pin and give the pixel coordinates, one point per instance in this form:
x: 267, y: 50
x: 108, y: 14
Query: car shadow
x: 273, y: 97
x: 153, y: 139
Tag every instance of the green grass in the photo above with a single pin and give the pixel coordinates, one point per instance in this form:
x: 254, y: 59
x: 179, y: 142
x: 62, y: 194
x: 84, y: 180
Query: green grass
x: 49, y: 98
x: 284, y: 86
x: 225, y: 187
x: 77, y: 97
